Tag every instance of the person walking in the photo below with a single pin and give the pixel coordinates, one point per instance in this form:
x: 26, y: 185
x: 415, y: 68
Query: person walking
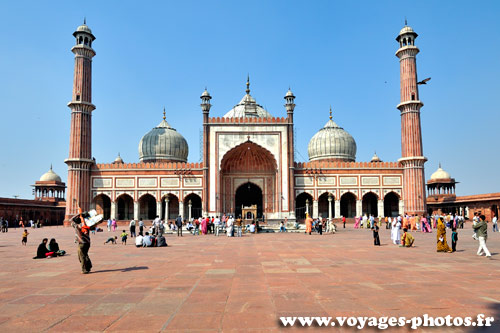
x: 481, y: 229
x: 109, y: 224
x: 319, y: 226
x: 395, y: 234
x: 178, y: 224
x: 132, y: 228
x: 141, y: 227
x: 238, y: 223
x: 216, y: 226
x: 309, y: 222
x: 495, y: 224
x: 454, y: 240
x: 343, y: 220
x: 24, y: 240
x: 376, y: 238
x: 83, y: 239
x: 442, y: 244
x: 113, y: 224
x: 229, y: 227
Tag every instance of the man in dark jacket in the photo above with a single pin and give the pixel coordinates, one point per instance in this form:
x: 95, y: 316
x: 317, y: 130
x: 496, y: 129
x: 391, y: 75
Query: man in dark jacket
x: 178, y: 224
x: 481, y: 229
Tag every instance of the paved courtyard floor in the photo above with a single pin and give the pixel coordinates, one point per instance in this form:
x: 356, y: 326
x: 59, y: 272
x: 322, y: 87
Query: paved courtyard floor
x: 206, y: 283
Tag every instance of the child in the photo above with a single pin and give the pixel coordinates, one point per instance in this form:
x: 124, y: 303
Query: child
x: 376, y: 239
x: 454, y: 239
x: 124, y: 237
x: 25, y: 237
x: 111, y: 239
x: 407, y: 240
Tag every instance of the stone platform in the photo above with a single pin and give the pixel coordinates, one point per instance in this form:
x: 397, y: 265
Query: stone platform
x: 205, y: 283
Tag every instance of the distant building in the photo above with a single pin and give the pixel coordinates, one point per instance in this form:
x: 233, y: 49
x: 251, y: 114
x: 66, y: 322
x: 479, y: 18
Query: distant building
x: 48, y: 207
x: 441, y: 198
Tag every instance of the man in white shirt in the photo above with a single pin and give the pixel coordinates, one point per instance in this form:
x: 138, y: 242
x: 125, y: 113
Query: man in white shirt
x: 139, y: 240
x: 141, y: 226
x: 216, y: 225
x: 146, y: 242
x: 156, y: 225
x: 132, y: 228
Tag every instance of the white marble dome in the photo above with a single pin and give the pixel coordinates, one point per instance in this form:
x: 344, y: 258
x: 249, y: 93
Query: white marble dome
x: 375, y: 158
x: 84, y: 28
x: 407, y: 30
x: 332, y: 142
x: 249, y: 108
x: 50, y: 176
x: 440, y: 174
x: 163, y: 143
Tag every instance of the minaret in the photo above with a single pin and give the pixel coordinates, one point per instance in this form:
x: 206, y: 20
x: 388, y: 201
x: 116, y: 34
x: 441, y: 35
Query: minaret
x: 290, y: 107
x: 80, y: 143
x: 412, y: 158
x: 205, y: 108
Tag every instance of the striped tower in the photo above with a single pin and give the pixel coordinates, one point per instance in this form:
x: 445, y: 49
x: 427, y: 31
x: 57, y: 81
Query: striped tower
x: 80, y: 143
x: 412, y: 158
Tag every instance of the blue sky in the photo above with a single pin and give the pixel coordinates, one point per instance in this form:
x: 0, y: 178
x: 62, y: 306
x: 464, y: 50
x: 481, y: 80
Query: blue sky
x: 341, y: 53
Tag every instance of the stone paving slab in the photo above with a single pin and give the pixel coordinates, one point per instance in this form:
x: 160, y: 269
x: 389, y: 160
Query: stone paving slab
x: 221, y: 284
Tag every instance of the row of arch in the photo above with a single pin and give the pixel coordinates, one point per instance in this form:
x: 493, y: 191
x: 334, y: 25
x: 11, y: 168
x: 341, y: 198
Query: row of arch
x: 147, y: 207
x: 86, y: 41
x: 49, y: 193
x: 369, y: 205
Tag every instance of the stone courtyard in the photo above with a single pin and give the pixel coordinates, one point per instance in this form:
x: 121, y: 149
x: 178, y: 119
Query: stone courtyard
x: 240, y: 284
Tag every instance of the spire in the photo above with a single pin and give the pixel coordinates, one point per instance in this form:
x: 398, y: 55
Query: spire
x: 84, y: 20
x: 439, y: 165
x: 406, y: 22
x: 164, y: 117
x: 330, y: 112
x: 248, y: 84
x: 50, y: 166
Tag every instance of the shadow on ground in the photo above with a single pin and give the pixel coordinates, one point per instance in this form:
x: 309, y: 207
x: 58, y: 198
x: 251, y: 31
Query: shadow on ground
x: 128, y: 269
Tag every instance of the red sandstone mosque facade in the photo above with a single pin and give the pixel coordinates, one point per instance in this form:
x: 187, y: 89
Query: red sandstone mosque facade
x: 248, y: 162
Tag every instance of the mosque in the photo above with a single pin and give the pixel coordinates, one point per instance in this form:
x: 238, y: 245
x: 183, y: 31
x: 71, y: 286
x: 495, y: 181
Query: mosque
x: 248, y: 165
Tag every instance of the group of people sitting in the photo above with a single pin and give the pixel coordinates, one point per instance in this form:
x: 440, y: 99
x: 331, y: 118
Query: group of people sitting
x: 150, y: 241
x: 50, y: 252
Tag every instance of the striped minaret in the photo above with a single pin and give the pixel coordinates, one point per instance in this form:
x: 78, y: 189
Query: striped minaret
x: 412, y: 158
x: 80, y: 143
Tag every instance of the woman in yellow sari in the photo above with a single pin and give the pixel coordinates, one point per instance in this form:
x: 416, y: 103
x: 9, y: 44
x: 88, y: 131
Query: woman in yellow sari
x: 309, y: 222
x: 442, y: 245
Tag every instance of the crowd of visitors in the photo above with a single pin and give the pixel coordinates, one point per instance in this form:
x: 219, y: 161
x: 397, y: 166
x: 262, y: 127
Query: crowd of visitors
x: 400, y: 231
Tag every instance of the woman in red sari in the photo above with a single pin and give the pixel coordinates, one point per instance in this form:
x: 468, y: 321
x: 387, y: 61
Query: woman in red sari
x: 204, y: 225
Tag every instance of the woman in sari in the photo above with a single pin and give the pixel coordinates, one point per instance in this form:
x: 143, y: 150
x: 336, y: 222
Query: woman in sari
x: 309, y: 222
x: 356, y: 225
x: 204, y: 225
x: 425, y: 225
x: 413, y: 223
x: 442, y: 245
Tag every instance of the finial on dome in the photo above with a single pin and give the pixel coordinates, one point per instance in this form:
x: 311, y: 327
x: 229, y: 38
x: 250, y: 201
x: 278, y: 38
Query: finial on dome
x: 406, y: 22
x: 164, y: 117
x: 50, y: 166
x: 330, y: 112
x: 84, y: 20
x: 439, y: 165
x: 248, y: 84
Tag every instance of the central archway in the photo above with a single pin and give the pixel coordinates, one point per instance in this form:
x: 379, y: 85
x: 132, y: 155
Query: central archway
x: 248, y: 166
x: 248, y: 195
